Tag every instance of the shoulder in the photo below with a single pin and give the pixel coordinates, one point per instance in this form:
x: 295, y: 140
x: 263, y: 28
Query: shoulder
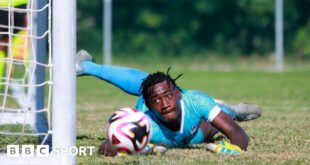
x: 200, y: 103
x: 197, y: 96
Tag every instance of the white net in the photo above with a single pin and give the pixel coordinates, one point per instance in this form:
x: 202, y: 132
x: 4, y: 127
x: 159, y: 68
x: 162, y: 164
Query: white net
x: 25, y: 84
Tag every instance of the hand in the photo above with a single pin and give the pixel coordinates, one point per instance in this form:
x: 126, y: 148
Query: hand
x: 107, y: 149
x: 224, y: 148
x: 151, y: 149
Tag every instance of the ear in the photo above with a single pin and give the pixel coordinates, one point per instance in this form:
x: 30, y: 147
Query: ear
x: 179, y: 94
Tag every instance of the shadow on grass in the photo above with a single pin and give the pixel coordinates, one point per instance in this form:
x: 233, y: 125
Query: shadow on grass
x: 89, y: 137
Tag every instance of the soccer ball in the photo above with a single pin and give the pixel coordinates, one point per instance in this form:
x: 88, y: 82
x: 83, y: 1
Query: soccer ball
x: 129, y: 130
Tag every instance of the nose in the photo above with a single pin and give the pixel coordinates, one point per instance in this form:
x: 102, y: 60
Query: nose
x: 165, y: 104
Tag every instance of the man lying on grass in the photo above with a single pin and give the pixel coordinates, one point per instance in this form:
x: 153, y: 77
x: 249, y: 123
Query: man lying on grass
x: 179, y: 117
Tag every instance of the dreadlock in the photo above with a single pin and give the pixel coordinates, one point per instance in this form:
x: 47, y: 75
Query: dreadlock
x: 155, y: 78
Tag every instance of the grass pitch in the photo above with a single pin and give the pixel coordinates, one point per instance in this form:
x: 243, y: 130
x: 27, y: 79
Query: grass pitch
x: 281, y: 135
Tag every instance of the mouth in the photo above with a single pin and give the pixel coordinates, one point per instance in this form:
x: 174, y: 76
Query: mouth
x: 168, y: 113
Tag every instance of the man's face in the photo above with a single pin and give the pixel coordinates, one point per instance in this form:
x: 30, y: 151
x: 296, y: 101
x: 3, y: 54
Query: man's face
x: 164, y: 99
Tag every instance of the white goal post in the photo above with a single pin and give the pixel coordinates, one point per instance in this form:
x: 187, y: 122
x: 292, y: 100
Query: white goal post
x: 61, y: 64
x: 64, y: 73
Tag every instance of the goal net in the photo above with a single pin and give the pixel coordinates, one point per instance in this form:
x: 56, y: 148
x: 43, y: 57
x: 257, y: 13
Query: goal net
x: 36, y: 106
x: 19, y: 115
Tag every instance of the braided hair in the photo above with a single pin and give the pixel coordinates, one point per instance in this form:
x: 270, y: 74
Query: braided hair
x: 155, y: 78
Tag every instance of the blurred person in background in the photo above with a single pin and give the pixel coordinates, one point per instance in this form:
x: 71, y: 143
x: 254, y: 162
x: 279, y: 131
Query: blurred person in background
x: 13, y: 31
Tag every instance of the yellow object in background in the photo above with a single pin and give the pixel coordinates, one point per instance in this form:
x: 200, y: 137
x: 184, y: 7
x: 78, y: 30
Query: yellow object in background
x: 20, y: 51
x: 13, y: 2
x: 20, y: 46
x: 2, y: 63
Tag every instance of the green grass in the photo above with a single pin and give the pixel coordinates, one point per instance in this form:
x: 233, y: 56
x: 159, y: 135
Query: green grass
x: 281, y: 135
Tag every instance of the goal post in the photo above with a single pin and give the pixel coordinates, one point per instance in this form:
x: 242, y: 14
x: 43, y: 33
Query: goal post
x: 64, y: 74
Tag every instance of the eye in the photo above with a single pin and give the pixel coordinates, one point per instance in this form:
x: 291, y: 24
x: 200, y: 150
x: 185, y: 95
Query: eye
x: 169, y: 95
x: 155, y: 101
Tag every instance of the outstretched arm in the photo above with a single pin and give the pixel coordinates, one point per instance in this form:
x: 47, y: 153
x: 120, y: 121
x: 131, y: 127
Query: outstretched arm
x: 231, y: 129
x: 107, y: 149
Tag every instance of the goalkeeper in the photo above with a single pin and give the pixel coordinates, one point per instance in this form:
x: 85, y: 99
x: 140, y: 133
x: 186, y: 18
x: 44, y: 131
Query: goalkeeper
x: 179, y: 117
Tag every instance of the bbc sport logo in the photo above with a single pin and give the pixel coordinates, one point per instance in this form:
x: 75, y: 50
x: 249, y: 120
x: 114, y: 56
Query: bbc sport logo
x: 43, y: 150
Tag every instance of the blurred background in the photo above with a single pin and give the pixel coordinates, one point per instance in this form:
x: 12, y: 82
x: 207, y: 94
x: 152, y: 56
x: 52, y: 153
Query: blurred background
x: 239, y: 30
x: 225, y: 48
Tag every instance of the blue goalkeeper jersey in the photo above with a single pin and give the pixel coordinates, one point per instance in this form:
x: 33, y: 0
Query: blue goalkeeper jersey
x: 195, y: 106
